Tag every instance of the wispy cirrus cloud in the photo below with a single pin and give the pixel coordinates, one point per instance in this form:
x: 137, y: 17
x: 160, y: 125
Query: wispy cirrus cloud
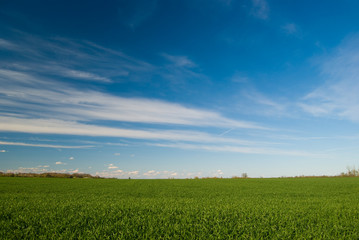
x: 180, y: 69
x: 253, y: 101
x: 338, y: 96
x: 72, y: 59
x: 36, y: 98
x: 58, y: 99
x: 180, y: 61
x: 270, y: 106
x: 4, y: 44
x: 240, y: 149
x: 54, y: 126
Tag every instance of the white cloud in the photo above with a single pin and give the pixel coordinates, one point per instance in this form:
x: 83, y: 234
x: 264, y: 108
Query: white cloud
x: 54, y: 126
x: 118, y: 173
x: 219, y: 172
x: 117, y: 154
x: 151, y: 173
x: 71, y: 158
x: 2, y: 151
x: 239, y: 149
x: 58, y: 99
x: 112, y: 166
x: 260, y: 9
x: 38, y: 145
x: 60, y: 163
x: 338, y: 97
x: 160, y: 174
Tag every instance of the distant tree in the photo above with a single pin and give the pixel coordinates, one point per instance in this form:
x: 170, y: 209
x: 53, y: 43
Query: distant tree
x: 352, y: 172
x: 244, y: 175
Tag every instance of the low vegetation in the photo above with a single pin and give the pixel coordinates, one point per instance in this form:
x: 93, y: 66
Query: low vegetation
x: 244, y: 208
x: 351, y: 172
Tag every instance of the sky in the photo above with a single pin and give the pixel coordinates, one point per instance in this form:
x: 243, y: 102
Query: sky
x: 179, y: 88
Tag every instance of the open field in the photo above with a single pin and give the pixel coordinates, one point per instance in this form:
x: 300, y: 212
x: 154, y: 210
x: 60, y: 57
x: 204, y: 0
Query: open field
x: 292, y: 208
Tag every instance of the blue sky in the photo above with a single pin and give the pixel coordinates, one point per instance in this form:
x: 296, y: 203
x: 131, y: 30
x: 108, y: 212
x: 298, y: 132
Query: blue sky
x: 159, y: 89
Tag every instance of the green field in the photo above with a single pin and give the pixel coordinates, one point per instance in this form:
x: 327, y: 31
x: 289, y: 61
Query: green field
x: 292, y: 208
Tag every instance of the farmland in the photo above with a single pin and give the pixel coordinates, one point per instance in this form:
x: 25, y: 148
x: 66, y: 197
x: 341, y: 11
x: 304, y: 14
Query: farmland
x: 283, y: 208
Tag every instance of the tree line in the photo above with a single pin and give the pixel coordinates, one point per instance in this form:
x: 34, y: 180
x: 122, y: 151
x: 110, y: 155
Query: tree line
x: 48, y: 175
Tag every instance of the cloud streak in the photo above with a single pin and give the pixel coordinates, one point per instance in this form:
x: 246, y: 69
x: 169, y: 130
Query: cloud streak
x: 90, y: 105
x: 41, y: 145
x: 54, y: 126
x: 240, y: 149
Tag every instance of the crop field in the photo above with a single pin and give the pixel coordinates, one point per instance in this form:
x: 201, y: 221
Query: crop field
x: 286, y: 208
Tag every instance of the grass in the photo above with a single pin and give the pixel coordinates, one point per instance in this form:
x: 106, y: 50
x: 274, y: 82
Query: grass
x: 289, y: 208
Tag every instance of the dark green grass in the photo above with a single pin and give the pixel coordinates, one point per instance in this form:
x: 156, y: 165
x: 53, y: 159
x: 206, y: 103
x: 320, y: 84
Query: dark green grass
x: 298, y: 208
